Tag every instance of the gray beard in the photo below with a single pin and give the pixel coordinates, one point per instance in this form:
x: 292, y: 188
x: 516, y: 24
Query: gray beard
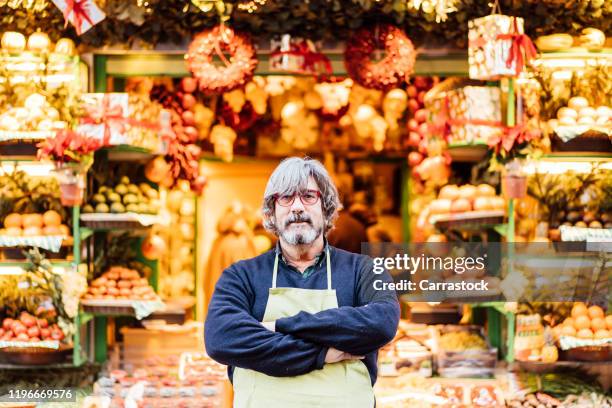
x: 304, y: 237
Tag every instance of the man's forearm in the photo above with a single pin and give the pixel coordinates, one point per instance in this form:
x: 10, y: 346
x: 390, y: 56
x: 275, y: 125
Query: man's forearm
x: 355, y: 330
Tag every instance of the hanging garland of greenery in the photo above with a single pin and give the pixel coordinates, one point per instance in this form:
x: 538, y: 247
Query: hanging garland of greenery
x: 129, y: 22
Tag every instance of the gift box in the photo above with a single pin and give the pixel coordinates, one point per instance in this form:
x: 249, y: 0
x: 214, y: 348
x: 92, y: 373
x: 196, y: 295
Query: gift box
x: 297, y: 56
x: 82, y: 14
x: 105, y: 117
x: 493, y: 44
x: 115, y: 119
x: 472, y: 113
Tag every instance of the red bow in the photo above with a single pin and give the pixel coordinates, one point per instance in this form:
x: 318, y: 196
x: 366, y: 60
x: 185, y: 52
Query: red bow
x: 311, y: 58
x: 79, y: 8
x: 441, y: 125
x: 522, y: 49
x: 111, y: 116
x: 509, y: 136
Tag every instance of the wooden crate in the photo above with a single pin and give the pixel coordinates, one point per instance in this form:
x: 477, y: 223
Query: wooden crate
x: 141, y: 344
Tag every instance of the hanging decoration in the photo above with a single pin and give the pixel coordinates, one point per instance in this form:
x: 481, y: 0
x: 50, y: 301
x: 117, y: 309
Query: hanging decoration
x: 498, y: 47
x: 82, y: 14
x: 397, y: 62
x: 438, y: 9
x: 234, y: 73
x: 298, y: 56
x: 334, y: 98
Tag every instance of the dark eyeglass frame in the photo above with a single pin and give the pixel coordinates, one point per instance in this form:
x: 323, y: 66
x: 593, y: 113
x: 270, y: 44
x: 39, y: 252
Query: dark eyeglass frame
x: 278, y: 198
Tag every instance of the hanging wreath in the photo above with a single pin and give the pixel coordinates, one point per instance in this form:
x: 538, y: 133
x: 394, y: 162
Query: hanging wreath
x: 386, y: 73
x: 234, y: 73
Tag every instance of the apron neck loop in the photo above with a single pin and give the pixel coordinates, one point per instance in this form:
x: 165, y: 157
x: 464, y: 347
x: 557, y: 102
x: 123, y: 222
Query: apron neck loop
x: 328, y: 270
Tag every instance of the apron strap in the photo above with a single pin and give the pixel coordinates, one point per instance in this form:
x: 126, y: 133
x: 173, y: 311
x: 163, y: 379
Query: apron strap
x: 329, y: 285
x: 328, y: 268
x: 275, y: 271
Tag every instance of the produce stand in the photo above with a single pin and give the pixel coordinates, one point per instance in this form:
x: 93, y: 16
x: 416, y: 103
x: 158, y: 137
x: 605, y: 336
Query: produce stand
x: 120, y: 208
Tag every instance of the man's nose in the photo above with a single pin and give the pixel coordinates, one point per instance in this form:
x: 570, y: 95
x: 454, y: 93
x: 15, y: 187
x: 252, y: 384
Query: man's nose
x: 297, y: 205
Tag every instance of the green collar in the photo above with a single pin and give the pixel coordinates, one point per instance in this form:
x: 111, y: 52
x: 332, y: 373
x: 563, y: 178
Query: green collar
x: 318, y: 260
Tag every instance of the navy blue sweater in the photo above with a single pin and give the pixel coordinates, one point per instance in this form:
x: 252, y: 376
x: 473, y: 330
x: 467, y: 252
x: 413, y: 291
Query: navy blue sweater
x: 365, y: 320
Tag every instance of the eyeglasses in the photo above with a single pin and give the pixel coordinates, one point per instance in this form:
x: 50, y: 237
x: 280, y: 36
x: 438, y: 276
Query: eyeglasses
x: 308, y: 197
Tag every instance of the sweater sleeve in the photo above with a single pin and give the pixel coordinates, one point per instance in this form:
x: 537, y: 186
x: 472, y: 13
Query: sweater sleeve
x: 234, y: 337
x: 356, y: 330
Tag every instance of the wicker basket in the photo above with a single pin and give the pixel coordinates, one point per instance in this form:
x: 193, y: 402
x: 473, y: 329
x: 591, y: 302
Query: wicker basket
x: 36, y: 355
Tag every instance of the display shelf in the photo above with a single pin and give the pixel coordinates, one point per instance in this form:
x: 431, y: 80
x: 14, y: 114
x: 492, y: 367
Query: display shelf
x: 6, y: 366
x: 26, y: 136
x: 126, y: 221
x: 474, y: 221
x: 128, y: 153
x: 468, y: 152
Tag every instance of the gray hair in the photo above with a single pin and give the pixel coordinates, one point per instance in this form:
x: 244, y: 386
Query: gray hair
x: 291, y: 176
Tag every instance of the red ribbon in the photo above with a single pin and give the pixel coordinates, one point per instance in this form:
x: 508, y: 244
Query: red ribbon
x: 311, y: 58
x: 79, y: 9
x: 111, y: 117
x: 522, y: 49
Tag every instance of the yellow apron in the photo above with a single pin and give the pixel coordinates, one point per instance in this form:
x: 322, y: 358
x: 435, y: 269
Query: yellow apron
x: 344, y: 384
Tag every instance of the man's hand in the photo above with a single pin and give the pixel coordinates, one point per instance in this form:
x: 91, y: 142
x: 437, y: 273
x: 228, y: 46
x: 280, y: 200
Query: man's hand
x: 269, y: 325
x: 334, y: 356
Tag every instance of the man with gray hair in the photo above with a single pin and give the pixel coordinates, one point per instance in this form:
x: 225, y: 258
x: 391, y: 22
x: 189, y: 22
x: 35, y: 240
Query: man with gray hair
x: 301, y: 325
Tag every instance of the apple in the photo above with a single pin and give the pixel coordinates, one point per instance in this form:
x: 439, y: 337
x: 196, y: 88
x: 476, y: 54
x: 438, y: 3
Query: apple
x: 191, y: 133
x: 42, y: 323
x: 22, y: 337
x: 33, y: 331
x: 7, y: 323
x: 34, y: 339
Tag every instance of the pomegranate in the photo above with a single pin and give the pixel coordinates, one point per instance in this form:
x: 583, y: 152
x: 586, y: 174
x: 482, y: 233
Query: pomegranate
x: 421, y: 115
x: 22, y: 337
x: 189, y: 84
x: 413, y: 125
x: 412, y: 91
x: 18, y: 328
x: 33, y: 331
x: 42, y: 323
x: 45, y: 333
x: 189, y: 101
x: 414, y: 159
x: 27, y: 319
x: 7, y: 323
x: 414, y: 138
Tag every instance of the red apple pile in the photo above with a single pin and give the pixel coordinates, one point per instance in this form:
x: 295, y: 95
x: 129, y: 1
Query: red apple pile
x: 418, y: 128
x: 29, y: 328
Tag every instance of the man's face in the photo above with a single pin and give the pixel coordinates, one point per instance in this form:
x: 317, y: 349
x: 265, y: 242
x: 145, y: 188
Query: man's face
x: 300, y: 224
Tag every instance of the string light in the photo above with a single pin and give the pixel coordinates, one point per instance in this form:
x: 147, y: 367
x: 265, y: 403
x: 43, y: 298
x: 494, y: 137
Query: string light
x: 441, y: 8
x: 251, y: 6
x: 34, y: 5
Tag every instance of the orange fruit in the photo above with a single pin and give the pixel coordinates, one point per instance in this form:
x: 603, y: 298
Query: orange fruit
x: 595, y: 311
x: 585, y: 334
x: 609, y: 322
x: 13, y: 221
x: 582, y: 322
x: 568, y: 331
x: 568, y: 322
x: 598, y: 323
x: 32, y: 220
x: 52, y: 218
x: 602, y: 334
x: 579, y: 309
